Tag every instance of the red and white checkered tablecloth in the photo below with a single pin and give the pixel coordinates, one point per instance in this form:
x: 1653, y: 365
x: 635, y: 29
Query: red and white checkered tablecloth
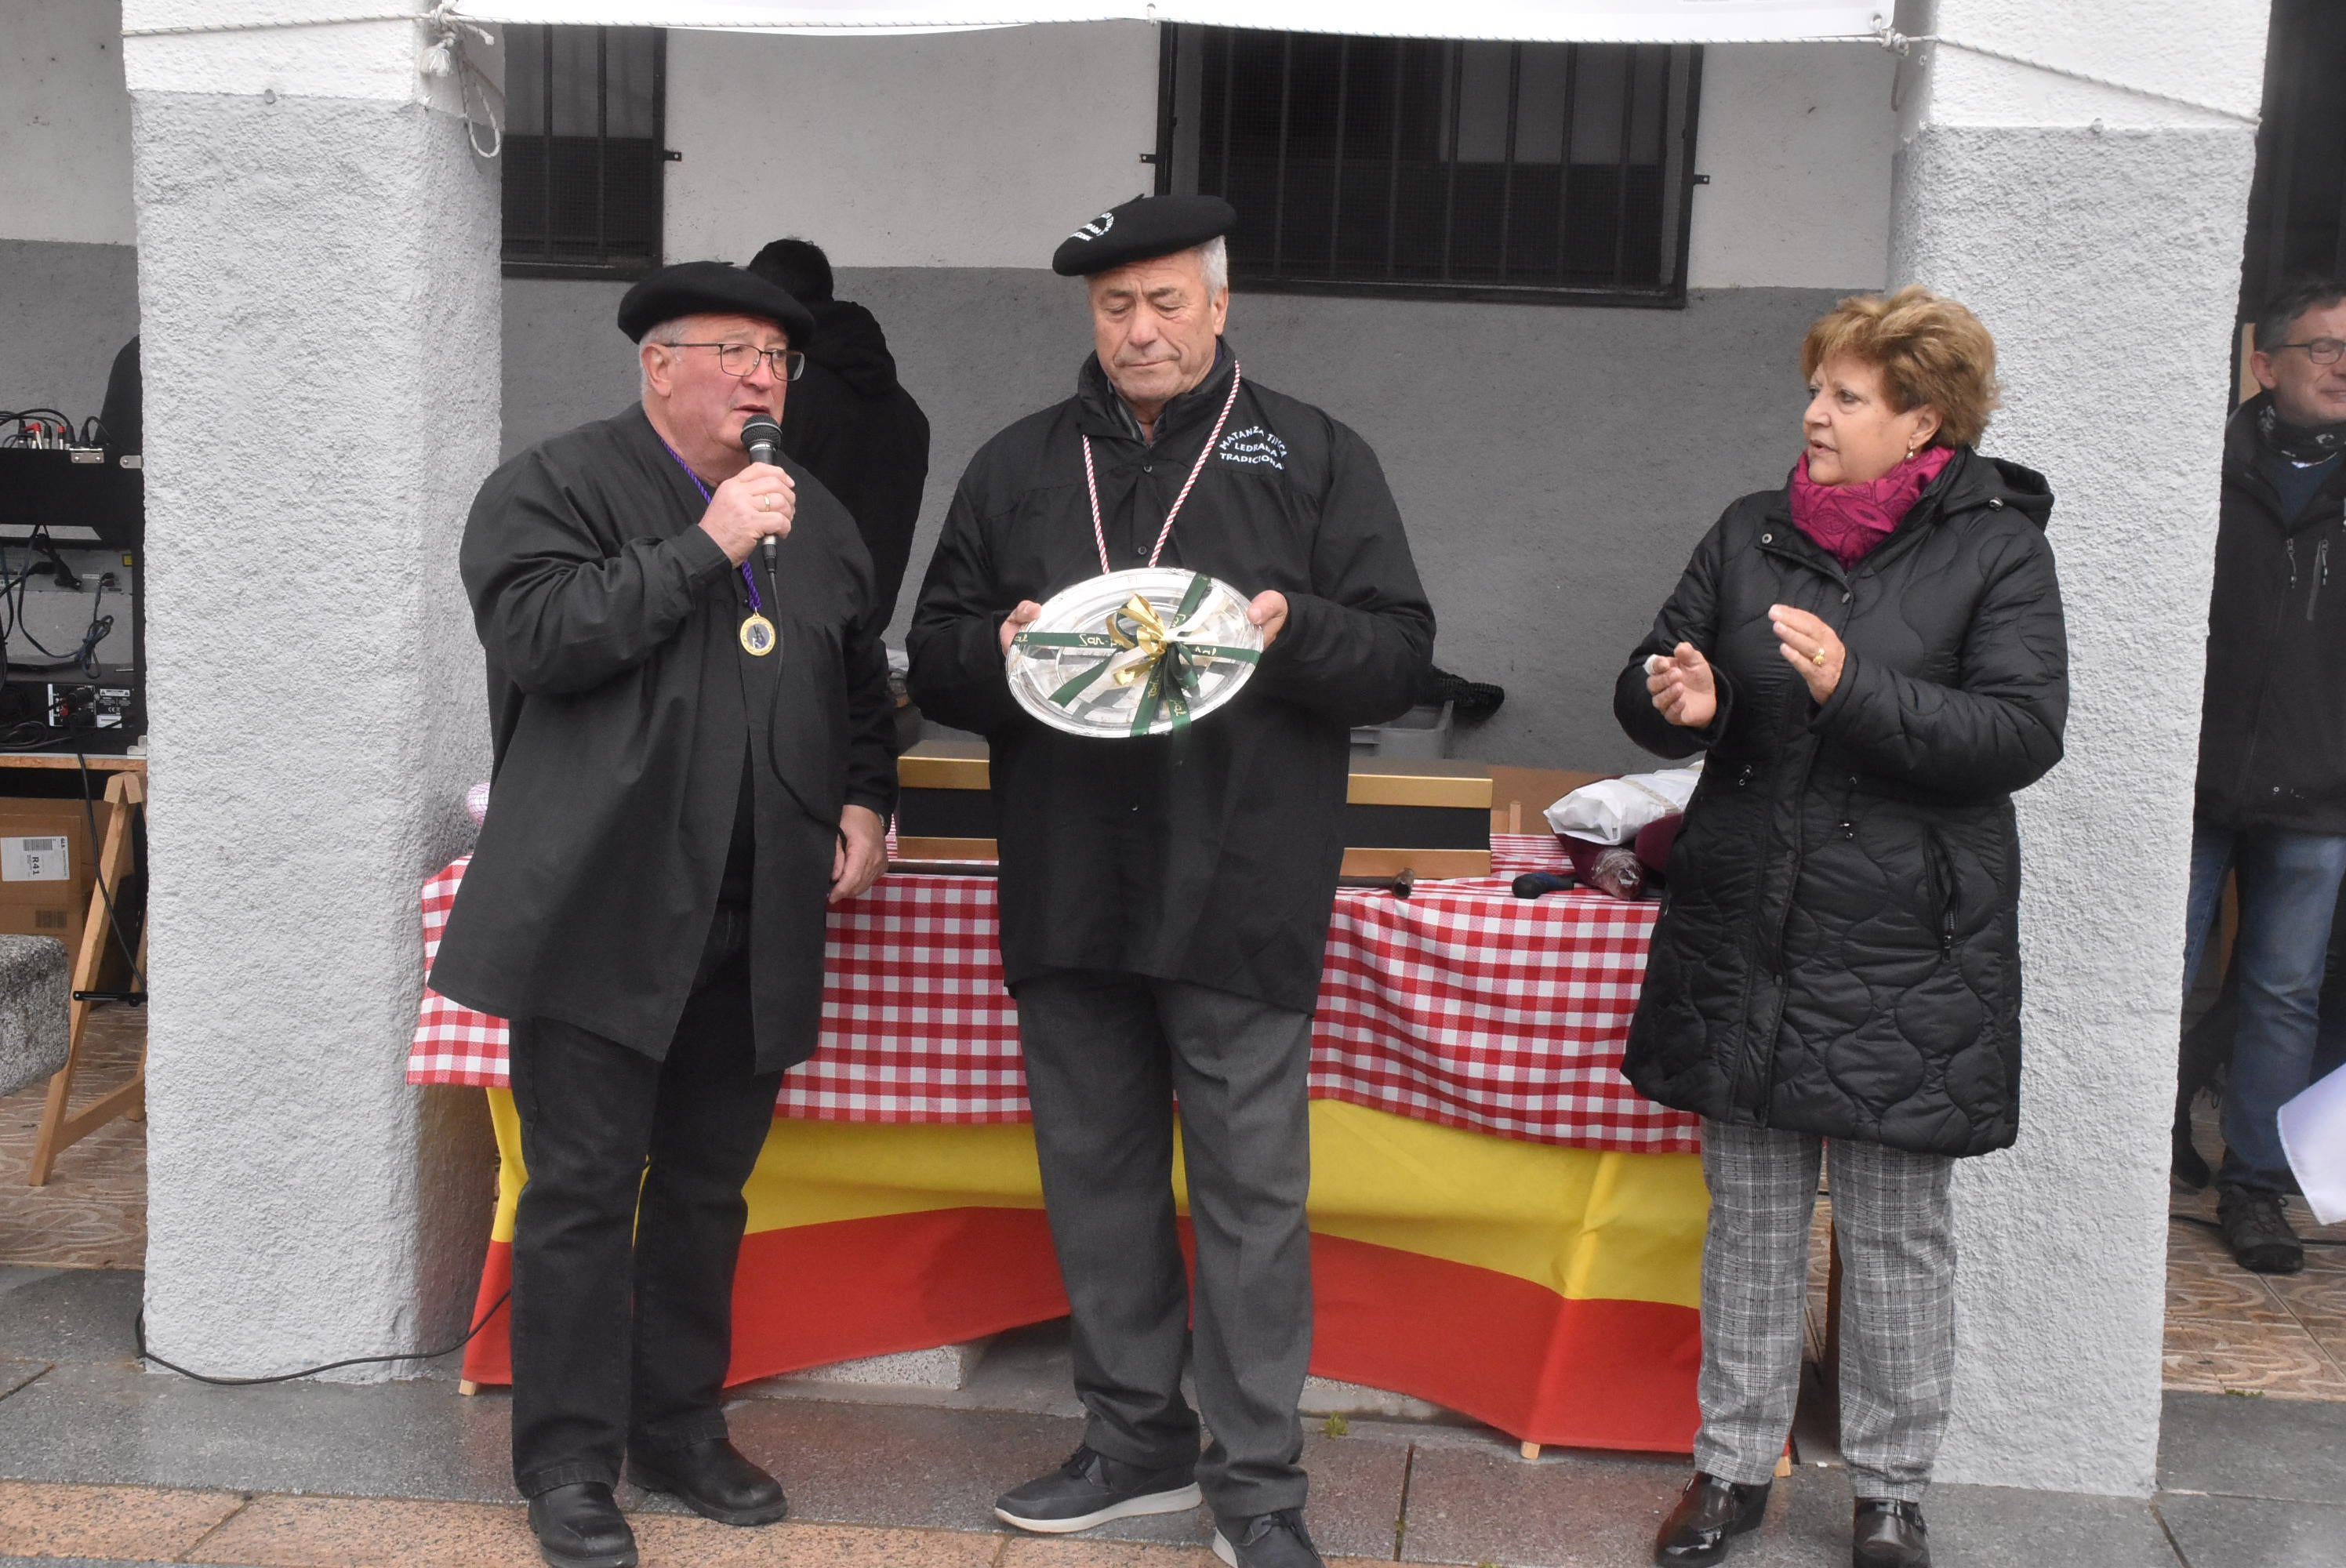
x: 1461, y: 1005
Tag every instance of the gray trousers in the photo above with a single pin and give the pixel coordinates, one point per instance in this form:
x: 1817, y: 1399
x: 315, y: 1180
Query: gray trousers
x: 1891, y: 1211
x: 1105, y: 1054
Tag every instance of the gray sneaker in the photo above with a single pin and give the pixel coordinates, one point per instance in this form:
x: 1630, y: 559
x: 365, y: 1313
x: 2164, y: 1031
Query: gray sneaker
x: 1092, y: 1489
x: 2257, y: 1230
x: 1276, y: 1540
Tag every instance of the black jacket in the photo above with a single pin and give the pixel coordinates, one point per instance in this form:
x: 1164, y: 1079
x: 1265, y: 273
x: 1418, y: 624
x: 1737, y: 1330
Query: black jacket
x: 1210, y: 857
x: 1839, y: 952
x: 623, y: 705
x: 2272, y: 725
x: 859, y: 432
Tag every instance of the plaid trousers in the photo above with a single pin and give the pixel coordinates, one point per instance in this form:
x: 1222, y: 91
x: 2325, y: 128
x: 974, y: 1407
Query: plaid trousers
x: 1892, y: 1213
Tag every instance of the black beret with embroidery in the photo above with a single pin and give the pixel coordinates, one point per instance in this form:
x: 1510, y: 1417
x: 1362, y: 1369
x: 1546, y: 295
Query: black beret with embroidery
x: 712, y: 288
x: 1143, y: 228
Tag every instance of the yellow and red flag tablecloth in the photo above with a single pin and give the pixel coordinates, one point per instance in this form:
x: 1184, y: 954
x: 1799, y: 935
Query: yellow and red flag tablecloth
x: 1500, y: 1224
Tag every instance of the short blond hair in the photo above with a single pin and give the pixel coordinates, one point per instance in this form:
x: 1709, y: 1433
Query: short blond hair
x: 1928, y: 348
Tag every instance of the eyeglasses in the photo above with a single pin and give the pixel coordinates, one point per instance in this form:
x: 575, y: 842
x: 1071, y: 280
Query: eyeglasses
x: 740, y: 358
x: 2320, y: 350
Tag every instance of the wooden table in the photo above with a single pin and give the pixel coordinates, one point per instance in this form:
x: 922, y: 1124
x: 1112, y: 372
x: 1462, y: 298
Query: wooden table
x: 126, y: 793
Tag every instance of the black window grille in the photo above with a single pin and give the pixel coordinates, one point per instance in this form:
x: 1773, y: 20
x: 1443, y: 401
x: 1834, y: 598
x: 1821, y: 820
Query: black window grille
x: 2297, y: 205
x: 1382, y: 165
x: 585, y: 108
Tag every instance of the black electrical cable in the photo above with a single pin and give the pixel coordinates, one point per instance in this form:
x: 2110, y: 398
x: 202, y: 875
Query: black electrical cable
x: 139, y: 1334
x: 2211, y: 1224
x: 37, y: 542
x: 85, y: 657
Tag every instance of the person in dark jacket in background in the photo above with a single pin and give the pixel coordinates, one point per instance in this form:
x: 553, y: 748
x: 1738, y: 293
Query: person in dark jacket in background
x: 1166, y: 899
x: 849, y: 420
x: 1874, y: 659
x: 2271, y: 802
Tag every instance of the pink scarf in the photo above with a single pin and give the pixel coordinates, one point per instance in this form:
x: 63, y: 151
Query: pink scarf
x: 1848, y: 520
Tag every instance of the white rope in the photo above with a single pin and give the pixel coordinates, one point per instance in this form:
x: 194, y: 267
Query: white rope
x: 1902, y: 44
x: 447, y: 57
x: 262, y: 24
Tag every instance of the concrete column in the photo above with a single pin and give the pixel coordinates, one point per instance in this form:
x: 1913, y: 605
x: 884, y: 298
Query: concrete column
x: 2098, y: 233
x: 317, y: 288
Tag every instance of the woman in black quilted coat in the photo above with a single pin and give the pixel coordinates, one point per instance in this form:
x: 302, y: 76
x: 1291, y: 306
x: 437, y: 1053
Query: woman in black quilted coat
x: 1872, y: 660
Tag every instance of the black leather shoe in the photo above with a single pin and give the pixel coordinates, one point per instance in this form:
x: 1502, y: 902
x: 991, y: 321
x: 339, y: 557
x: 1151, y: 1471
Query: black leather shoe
x: 2258, y: 1231
x: 712, y: 1480
x: 1710, y: 1510
x: 1887, y: 1534
x: 1274, y: 1539
x: 579, y: 1526
x: 1092, y: 1489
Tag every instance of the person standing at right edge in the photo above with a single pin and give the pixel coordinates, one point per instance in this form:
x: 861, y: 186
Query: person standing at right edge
x: 1166, y: 899
x: 1873, y: 658
x: 2272, y: 803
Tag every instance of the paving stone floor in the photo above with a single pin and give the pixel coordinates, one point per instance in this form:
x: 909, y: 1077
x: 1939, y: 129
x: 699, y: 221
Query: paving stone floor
x: 101, y: 1462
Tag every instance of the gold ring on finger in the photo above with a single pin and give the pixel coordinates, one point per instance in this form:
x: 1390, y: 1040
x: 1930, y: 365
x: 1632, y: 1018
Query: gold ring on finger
x: 1817, y: 659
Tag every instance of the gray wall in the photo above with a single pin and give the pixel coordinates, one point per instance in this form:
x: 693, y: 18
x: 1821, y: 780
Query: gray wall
x: 1555, y: 464
x: 65, y: 308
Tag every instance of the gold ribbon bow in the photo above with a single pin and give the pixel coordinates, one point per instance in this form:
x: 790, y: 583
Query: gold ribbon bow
x: 1151, y: 636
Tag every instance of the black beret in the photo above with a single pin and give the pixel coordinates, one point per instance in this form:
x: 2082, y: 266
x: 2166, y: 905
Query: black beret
x: 712, y: 288
x: 1145, y: 226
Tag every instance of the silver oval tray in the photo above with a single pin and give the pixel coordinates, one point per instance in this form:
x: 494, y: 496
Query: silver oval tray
x: 1144, y: 652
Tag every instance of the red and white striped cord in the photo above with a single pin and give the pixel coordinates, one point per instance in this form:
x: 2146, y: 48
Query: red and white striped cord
x: 1091, y: 479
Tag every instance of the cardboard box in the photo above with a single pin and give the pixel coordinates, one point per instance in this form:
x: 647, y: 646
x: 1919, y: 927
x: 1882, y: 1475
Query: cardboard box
x: 47, y: 868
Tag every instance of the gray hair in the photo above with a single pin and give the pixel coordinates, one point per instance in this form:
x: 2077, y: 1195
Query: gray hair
x: 1214, y: 261
x: 668, y: 334
x: 2278, y: 320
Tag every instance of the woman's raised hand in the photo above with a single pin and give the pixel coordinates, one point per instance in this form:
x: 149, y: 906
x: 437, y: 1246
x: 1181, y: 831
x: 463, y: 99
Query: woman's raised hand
x: 1810, y: 647
x: 1684, y: 691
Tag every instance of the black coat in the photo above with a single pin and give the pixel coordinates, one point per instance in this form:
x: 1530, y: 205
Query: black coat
x: 1839, y: 952
x: 1210, y: 857
x: 2272, y: 727
x: 859, y: 432
x: 623, y: 705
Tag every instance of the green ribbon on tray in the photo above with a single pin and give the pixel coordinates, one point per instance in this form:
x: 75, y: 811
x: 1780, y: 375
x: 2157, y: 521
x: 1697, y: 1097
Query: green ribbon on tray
x: 1169, y: 664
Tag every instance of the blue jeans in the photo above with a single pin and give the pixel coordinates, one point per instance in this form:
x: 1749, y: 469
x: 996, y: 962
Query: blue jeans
x: 2288, y: 889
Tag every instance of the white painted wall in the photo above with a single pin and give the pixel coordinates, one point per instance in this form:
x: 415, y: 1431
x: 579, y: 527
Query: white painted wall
x: 65, y: 123
x: 2098, y: 236
x: 305, y: 1204
x: 1797, y: 139
x: 958, y: 149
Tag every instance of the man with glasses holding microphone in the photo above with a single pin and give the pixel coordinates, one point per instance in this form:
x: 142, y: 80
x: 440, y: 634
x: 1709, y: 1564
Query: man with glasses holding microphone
x: 2271, y: 801
x: 693, y: 756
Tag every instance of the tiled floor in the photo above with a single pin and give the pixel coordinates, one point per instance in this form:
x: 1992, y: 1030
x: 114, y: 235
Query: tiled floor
x: 121, y: 1523
x: 93, y: 1212
x: 2231, y: 1331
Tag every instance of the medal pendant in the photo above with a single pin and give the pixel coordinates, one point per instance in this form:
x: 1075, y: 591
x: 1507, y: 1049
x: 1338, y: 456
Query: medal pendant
x: 758, y: 636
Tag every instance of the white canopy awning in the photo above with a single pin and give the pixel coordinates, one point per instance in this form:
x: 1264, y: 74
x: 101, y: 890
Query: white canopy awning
x: 1579, y: 21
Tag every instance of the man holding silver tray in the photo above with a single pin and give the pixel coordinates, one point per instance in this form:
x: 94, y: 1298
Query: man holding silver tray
x: 1229, y: 591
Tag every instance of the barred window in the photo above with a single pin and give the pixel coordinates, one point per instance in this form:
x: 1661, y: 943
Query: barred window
x: 1382, y: 165
x: 585, y: 108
